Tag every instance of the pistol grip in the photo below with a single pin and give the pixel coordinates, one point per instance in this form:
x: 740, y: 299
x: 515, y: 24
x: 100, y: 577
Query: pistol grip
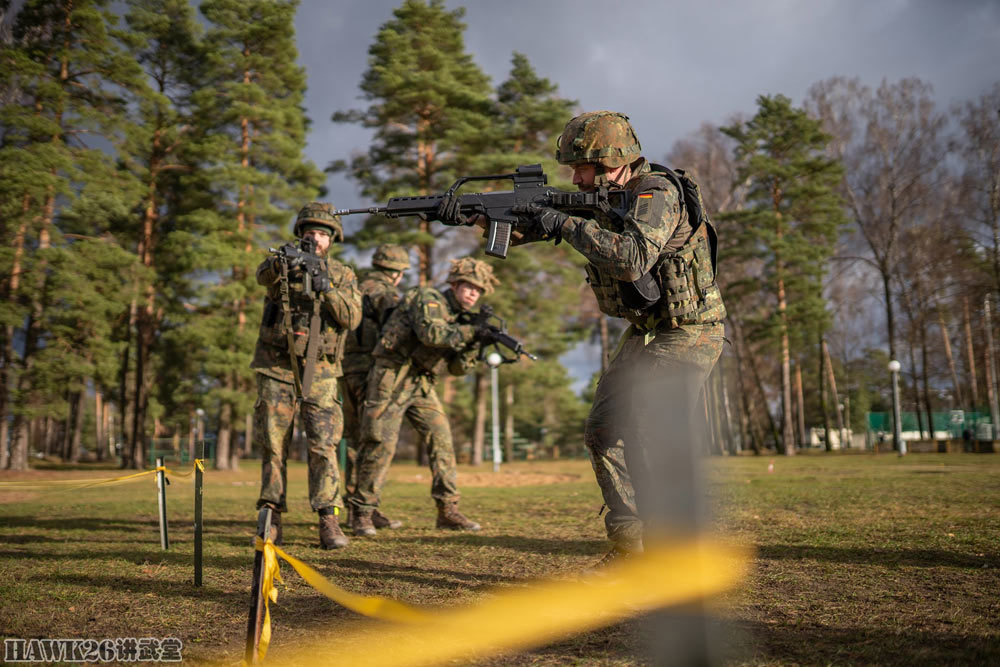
x: 498, y: 238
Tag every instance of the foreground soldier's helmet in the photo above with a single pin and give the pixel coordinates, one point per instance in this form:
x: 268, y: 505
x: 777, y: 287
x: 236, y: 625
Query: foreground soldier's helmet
x: 473, y: 271
x: 391, y: 256
x: 601, y: 137
x: 318, y: 214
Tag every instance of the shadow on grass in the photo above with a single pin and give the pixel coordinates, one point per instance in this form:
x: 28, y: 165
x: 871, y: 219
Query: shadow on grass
x: 157, y: 587
x: 537, y: 545
x: 427, y: 576
x: 868, y: 556
x: 137, y: 556
x: 837, y: 645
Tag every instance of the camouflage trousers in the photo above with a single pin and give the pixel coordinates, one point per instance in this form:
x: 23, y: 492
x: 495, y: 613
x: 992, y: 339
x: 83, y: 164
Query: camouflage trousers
x: 272, y: 431
x: 352, y: 394
x: 384, y: 409
x: 646, y: 409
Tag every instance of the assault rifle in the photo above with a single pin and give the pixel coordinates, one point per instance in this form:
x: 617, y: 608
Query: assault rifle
x: 313, y: 269
x: 529, y: 188
x: 304, y: 256
x: 491, y: 330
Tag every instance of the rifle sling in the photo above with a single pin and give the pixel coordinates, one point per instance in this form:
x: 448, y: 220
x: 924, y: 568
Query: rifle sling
x: 312, y: 348
x: 286, y: 307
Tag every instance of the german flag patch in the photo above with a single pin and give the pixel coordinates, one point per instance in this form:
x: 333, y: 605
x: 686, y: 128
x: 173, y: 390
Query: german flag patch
x: 642, y: 210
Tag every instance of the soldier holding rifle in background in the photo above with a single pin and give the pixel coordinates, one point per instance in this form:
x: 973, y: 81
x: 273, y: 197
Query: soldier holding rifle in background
x: 380, y: 296
x: 312, y: 304
x: 423, y: 336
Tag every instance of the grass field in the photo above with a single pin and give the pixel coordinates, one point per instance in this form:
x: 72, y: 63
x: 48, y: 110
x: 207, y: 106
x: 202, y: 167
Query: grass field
x: 859, y: 559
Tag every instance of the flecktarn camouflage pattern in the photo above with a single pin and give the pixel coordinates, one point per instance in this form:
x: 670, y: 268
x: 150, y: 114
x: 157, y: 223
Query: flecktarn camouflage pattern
x: 473, y: 271
x: 601, y: 137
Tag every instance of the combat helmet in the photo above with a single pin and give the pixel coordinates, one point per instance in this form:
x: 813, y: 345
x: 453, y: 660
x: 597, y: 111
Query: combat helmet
x: 601, y: 137
x: 473, y: 271
x: 391, y: 256
x: 319, y: 214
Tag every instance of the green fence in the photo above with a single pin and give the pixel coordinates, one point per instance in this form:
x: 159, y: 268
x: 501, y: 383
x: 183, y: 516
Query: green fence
x: 955, y: 421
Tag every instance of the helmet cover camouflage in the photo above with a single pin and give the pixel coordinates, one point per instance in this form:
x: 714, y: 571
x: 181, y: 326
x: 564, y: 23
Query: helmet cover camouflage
x: 318, y: 214
x: 391, y: 256
x: 601, y: 137
x: 473, y: 271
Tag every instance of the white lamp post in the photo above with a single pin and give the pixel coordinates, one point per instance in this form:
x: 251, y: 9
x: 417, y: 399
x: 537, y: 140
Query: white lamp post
x: 494, y: 360
x: 897, y: 427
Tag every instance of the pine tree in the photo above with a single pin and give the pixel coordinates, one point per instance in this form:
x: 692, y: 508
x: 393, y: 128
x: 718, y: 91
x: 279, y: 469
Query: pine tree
x: 431, y: 113
x: 789, y: 228
x: 162, y: 38
x: 66, y: 72
x: 253, y: 116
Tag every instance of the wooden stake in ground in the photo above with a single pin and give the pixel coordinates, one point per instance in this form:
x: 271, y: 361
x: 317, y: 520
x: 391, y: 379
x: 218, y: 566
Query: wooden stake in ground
x: 256, y: 619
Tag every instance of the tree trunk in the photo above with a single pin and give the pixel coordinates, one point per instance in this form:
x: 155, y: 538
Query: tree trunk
x: 746, y: 434
x: 916, y: 392
x: 833, y: 391
x: 889, y: 314
x: 605, y: 342
x: 508, y: 423
x: 946, y: 341
x: 76, y: 439
x: 800, y: 400
x: 991, y: 370
x: 479, y: 424
x: 971, y: 357
x: 926, y: 382
x: 225, y: 436
x: 98, y: 424
x: 824, y: 411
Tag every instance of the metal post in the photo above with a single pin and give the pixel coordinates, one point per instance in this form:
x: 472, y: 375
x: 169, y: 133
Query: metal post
x: 494, y: 360
x: 161, y: 487
x: 198, y: 482
x: 256, y: 619
x: 897, y: 427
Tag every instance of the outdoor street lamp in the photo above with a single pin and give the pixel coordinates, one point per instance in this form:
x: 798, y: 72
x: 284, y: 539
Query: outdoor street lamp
x: 494, y: 360
x: 897, y: 428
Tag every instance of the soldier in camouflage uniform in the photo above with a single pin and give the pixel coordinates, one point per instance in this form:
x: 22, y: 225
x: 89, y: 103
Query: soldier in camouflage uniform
x: 422, y: 337
x: 656, y: 269
x: 380, y: 295
x: 317, y: 328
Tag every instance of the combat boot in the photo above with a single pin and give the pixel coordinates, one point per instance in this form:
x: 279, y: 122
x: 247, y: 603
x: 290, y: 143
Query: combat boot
x: 380, y: 520
x: 330, y: 534
x: 449, y: 517
x: 361, y: 523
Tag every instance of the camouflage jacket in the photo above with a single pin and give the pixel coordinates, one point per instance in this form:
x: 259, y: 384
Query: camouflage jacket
x: 424, y: 332
x: 378, y: 297
x: 340, y: 312
x: 656, y: 227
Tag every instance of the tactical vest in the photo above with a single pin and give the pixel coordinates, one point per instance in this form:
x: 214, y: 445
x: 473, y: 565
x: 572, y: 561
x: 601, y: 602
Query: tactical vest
x: 361, y: 342
x: 272, y: 326
x: 399, y: 343
x: 688, y: 293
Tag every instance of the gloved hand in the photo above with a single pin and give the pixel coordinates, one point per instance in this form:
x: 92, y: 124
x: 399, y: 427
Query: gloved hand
x: 321, y: 282
x: 449, y: 212
x: 549, y: 220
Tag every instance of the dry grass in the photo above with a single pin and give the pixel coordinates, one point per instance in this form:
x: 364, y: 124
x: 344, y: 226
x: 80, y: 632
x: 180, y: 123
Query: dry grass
x: 860, y: 559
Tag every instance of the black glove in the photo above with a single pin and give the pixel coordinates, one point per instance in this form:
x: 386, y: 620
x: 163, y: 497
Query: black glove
x: 321, y: 282
x: 549, y: 220
x: 449, y: 211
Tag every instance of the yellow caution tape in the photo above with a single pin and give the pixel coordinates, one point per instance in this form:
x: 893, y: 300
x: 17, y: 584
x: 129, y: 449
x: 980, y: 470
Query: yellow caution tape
x: 525, y: 617
x: 372, y: 606
x: 72, y: 484
x: 200, y: 464
x: 270, y: 572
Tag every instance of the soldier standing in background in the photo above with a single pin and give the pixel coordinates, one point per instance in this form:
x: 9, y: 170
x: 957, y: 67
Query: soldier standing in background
x: 656, y: 269
x: 380, y: 295
x: 312, y: 303
x: 423, y: 335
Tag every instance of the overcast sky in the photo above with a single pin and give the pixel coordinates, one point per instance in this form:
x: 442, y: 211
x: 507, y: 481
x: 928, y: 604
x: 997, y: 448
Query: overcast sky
x: 670, y: 66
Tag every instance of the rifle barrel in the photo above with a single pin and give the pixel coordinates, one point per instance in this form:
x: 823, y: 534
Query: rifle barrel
x: 371, y: 210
